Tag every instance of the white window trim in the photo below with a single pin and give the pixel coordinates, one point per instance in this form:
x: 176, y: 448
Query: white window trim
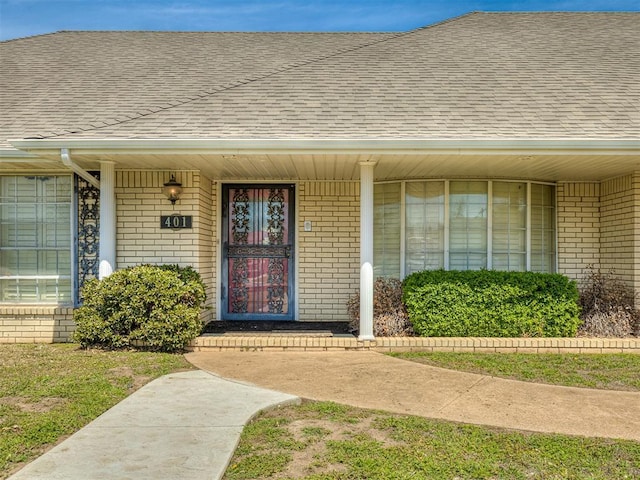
x: 446, y: 233
x: 72, y: 270
x: 528, y: 226
x: 489, y: 264
x: 447, y: 237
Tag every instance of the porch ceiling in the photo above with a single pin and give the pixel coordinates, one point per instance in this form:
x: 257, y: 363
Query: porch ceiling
x: 268, y: 161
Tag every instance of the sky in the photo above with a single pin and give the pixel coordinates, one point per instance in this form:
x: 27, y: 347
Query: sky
x: 21, y: 18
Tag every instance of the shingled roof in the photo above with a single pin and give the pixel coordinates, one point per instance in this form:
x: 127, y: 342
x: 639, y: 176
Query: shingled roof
x: 482, y: 75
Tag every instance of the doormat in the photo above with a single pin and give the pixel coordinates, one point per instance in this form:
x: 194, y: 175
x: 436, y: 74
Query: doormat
x: 278, y: 327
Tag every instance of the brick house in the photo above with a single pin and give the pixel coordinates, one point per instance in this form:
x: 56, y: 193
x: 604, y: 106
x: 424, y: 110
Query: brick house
x: 311, y: 163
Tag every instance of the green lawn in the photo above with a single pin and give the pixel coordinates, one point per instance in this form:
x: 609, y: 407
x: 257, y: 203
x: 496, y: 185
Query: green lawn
x: 49, y: 391
x: 607, y: 371
x: 327, y: 441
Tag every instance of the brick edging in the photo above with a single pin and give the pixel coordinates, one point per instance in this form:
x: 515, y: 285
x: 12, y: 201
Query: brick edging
x: 417, y: 344
x: 511, y: 345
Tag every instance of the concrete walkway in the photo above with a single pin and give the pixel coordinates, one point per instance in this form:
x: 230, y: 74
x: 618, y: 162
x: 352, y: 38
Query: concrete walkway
x: 187, y: 425
x: 180, y: 426
x: 373, y: 380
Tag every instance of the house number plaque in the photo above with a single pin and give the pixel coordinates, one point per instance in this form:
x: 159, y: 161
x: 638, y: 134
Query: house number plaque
x: 175, y: 221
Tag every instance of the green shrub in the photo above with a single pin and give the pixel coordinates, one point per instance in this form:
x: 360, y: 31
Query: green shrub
x: 187, y: 274
x: 489, y: 303
x: 155, y: 307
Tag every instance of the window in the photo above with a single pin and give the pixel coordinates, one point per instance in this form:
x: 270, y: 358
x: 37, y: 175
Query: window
x: 509, y: 225
x: 463, y: 225
x: 468, y: 225
x: 424, y: 213
x: 387, y: 225
x: 35, y: 239
x: 543, y: 231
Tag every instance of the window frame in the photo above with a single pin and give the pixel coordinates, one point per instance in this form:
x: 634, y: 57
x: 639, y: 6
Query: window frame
x: 490, y: 219
x: 64, y: 294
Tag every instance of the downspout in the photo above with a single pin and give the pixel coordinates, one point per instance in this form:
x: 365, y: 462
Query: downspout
x: 66, y: 160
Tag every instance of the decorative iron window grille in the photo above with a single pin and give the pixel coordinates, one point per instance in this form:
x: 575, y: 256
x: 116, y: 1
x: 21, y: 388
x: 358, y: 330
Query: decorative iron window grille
x: 87, y: 232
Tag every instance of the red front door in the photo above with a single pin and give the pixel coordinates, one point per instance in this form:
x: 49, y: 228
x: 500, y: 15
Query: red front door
x: 258, y: 243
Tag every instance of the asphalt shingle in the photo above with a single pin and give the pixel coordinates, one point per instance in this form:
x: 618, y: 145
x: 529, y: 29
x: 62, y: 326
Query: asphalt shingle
x: 482, y: 75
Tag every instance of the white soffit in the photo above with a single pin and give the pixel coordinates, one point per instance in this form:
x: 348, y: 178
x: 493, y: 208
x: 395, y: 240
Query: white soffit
x: 337, y: 159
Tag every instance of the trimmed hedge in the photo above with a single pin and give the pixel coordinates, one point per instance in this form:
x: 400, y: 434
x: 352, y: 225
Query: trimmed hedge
x: 157, y: 307
x: 490, y: 303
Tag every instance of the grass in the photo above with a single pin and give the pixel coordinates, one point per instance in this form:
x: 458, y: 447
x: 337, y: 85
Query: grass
x: 327, y: 441
x: 606, y: 371
x: 49, y: 391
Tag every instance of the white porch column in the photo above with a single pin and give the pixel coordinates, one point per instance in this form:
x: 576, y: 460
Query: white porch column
x: 366, y: 250
x: 107, y: 219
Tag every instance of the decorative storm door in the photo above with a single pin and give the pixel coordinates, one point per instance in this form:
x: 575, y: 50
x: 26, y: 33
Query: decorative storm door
x: 258, y: 238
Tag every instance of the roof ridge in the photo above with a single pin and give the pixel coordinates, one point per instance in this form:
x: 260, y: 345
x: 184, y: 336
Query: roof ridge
x: 555, y: 12
x: 30, y: 36
x: 349, y: 32
x: 445, y: 21
x: 146, y: 111
x: 211, y: 32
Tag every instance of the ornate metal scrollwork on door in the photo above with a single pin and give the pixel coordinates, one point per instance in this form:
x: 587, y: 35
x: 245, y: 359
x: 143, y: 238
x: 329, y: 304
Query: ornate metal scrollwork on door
x: 275, y: 270
x: 240, y: 216
x: 257, y: 250
x: 275, y: 216
x: 239, y: 271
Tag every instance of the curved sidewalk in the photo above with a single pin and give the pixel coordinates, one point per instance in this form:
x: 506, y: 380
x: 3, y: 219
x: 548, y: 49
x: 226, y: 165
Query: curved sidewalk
x: 186, y: 425
x: 181, y: 426
x: 372, y: 380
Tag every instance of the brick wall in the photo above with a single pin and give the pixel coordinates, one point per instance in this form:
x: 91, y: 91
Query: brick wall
x: 578, y: 220
x: 598, y: 224
x: 207, y: 241
x: 619, y: 218
x: 36, y: 324
x: 329, y: 255
x: 139, y: 239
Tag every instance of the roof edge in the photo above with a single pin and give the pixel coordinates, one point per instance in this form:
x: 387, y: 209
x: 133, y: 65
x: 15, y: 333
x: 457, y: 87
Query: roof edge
x: 360, y: 146
x: 13, y: 153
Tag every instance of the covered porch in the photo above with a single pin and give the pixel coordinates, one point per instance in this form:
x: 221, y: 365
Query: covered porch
x: 334, y: 207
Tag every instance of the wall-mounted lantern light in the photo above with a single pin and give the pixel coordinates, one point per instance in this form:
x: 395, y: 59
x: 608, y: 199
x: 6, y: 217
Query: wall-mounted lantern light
x: 172, y: 190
